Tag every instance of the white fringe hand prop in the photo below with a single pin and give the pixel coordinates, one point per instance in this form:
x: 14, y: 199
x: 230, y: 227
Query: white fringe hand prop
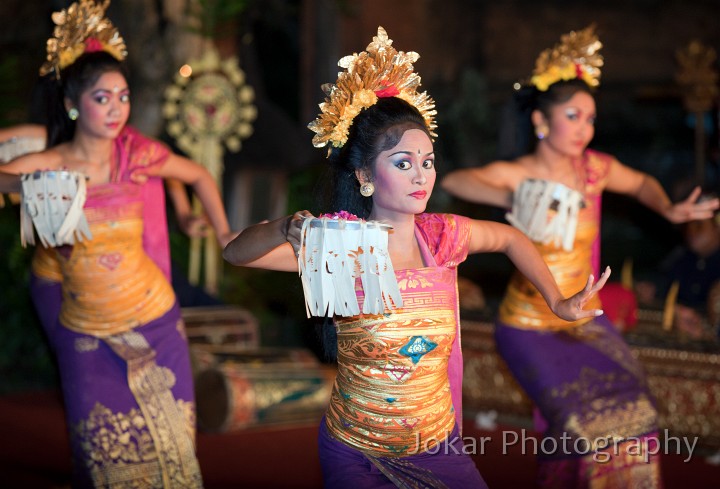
x: 333, y: 254
x: 53, y: 202
x: 532, y: 203
x: 18, y: 146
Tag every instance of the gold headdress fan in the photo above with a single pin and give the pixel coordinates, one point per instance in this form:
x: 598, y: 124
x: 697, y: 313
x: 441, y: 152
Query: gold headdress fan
x: 81, y: 28
x: 379, y: 71
x: 576, y: 56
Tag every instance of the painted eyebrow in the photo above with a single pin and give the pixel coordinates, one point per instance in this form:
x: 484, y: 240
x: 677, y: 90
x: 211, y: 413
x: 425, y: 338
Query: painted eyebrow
x: 579, y: 111
x: 104, y: 90
x: 409, y: 153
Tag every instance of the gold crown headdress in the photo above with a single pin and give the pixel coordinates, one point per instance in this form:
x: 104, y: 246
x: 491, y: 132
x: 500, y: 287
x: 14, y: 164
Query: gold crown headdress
x: 82, y: 28
x: 379, y: 71
x: 576, y: 56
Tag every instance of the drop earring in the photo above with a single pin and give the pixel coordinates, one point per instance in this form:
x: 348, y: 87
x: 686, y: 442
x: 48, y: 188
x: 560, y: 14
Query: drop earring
x: 73, y: 114
x: 367, y: 189
x: 541, y: 131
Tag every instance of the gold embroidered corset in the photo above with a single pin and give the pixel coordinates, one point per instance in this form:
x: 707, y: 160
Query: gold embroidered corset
x: 524, y: 307
x: 392, y: 395
x: 110, y: 285
x: 45, y: 264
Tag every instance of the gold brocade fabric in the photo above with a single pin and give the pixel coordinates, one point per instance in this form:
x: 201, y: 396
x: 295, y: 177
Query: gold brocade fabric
x: 392, y: 395
x: 632, y: 466
x: 613, y: 419
x: 628, y: 464
x: 152, y: 446
x: 45, y: 264
x: 599, y: 400
x: 109, y: 284
x: 523, y: 306
x: 596, y: 418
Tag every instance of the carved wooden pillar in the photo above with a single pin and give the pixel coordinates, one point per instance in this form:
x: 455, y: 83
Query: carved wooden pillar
x: 698, y: 80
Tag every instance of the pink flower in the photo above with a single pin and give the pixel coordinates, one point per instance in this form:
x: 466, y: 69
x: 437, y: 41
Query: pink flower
x: 390, y: 91
x: 93, y: 45
x: 341, y: 215
x: 578, y: 71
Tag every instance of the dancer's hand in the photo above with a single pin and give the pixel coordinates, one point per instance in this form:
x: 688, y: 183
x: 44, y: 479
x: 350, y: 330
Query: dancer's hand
x: 293, y: 228
x: 571, y: 309
x: 194, y: 226
x: 692, y: 209
x: 142, y: 175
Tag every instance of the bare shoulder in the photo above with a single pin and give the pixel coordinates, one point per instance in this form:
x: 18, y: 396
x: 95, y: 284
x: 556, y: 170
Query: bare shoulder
x: 55, y: 158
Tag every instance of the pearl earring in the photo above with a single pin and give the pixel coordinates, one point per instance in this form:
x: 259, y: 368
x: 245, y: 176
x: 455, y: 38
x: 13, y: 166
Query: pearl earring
x: 73, y: 114
x: 367, y: 189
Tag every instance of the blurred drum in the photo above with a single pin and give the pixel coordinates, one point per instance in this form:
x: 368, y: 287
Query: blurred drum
x: 234, y: 396
x: 205, y: 356
x: 221, y: 325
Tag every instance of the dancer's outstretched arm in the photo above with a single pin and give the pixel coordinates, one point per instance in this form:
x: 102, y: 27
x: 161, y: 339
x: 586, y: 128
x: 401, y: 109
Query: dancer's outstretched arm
x: 488, y: 236
x: 271, y: 245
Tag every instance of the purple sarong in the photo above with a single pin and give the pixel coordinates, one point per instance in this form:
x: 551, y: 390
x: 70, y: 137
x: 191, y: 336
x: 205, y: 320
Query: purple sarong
x: 128, y: 394
x: 104, y: 416
x: 592, y: 392
x: 446, y: 467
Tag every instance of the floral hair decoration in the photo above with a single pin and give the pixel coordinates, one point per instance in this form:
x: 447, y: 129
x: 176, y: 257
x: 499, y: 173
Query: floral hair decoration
x: 576, y: 56
x: 379, y: 71
x: 82, y: 28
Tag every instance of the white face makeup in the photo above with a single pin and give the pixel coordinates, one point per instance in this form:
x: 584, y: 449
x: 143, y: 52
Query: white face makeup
x: 572, y: 125
x: 404, y: 177
x: 105, y: 106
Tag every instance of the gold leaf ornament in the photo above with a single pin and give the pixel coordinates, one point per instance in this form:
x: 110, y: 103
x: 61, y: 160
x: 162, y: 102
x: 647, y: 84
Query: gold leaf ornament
x: 81, y: 28
x: 379, y: 71
x: 697, y: 76
x: 577, y: 55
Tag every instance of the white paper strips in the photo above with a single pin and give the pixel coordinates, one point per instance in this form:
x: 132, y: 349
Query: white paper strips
x: 531, y: 212
x: 53, y: 202
x: 333, y: 253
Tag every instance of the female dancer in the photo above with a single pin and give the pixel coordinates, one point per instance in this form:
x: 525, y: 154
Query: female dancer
x: 581, y: 375
x: 394, y: 411
x: 122, y: 354
x: 45, y: 279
